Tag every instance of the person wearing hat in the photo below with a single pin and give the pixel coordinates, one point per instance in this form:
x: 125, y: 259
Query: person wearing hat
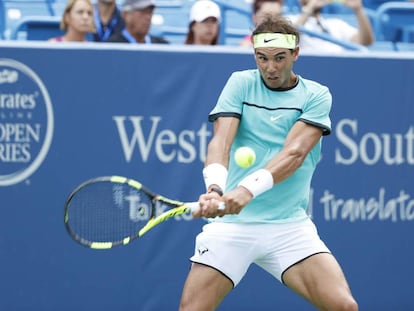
x: 204, y: 23
x: 137, y: 15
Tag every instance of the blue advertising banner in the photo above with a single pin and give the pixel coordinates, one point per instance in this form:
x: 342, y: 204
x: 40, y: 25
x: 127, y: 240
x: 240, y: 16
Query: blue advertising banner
x: 72, y: 112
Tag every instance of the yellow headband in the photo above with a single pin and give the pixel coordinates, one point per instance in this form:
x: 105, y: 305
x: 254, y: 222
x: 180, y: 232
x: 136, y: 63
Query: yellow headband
x: 274, y: 40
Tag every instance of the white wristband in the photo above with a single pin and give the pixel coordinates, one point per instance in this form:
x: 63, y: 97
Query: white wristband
x: 258, y: 182
x: 215, y: 174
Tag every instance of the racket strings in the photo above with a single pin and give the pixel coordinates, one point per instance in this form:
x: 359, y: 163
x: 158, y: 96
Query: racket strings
x: 108, y: 212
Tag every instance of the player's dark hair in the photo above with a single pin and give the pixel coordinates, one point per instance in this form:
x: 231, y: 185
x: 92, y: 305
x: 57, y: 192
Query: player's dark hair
x: 277, y: 24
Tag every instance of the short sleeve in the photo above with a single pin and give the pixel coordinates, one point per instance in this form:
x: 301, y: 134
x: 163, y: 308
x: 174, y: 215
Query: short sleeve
x: 230, y: 101
x: 317, y: 109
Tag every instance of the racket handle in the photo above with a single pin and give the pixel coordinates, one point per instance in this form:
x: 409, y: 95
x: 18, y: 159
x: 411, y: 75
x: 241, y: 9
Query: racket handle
x: 194, y: 206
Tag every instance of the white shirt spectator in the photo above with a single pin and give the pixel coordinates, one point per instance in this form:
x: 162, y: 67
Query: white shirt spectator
x: 334, y: 27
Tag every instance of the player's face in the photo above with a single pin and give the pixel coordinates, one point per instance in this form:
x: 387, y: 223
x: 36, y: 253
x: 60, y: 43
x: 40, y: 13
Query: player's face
x: 275, y: 66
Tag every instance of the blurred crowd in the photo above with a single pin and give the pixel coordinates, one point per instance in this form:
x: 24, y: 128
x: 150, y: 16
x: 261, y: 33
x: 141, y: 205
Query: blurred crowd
x: 130, y: 22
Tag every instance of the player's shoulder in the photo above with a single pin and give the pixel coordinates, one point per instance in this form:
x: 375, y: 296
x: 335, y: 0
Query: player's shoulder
x: 247, y: 74
x: 313, y: 85
x: 315, y: 90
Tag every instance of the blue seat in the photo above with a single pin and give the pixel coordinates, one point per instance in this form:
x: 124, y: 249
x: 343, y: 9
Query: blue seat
x: 37, y: 28
x: 336, y: 8
x: 383, y: 46
x: 394, y: 21
x: 58, y: 7
x: 405, y: 46
x: 2, y: 20
x: 291, y: 7
x: 174, y: 35
x: 170, y: 21
x: 14, y: 10
x: 236, y: 21
x: 375, y: 4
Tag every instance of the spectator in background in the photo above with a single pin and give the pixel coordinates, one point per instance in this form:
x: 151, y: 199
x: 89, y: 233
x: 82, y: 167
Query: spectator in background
x: 311, y: 19
x: 137, y: 15
x: 260, y: 9
x: 108, y: 20
x: 77, y: 21
x: 204, y: 24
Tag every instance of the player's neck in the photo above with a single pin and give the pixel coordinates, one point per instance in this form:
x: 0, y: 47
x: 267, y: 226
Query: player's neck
x: 293, y: 79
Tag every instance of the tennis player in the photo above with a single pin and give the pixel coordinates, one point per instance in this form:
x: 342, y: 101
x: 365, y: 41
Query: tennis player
x: 283, y: 117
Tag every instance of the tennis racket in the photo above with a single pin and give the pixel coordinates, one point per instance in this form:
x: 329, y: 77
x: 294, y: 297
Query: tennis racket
x: 109, y: 211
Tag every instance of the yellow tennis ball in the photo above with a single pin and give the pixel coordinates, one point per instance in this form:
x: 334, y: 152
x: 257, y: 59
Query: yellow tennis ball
x: 245, y: 156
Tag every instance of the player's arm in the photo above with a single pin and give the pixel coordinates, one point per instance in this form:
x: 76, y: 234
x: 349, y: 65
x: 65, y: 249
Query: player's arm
x: 224, y: 131
x: 299, y: 142
x: 216, y: 164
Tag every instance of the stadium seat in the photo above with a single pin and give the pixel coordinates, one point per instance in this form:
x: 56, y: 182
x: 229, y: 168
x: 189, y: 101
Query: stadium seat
x: 174, y: 35
x: 374, y: 4
x: 404, y: 46
x: 236, y: 21
x: 336, y: 7
x: 170, y: 20
x: 37, y: 28
x: 384, y: 46
x: 2, y: 20
x: 58, y: 6
x: 14, y: 10
x: 394, y: 21
x: 292, y: 7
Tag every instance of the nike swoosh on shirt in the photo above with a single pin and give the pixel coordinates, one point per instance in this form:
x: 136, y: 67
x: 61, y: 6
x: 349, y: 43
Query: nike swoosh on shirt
x: 274, y: 118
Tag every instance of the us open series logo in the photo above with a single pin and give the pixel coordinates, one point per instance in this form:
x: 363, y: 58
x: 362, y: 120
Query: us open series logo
x: 26, y: 122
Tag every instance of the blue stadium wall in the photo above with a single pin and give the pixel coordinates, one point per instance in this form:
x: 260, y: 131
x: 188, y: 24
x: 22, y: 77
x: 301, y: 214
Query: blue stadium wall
x: 72, y: 112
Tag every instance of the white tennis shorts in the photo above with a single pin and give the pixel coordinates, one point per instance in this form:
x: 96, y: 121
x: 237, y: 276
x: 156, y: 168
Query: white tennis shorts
x: 232, y: 247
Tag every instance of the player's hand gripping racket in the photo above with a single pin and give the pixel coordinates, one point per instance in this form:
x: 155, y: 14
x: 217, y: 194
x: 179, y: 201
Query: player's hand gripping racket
x: 109, y: 211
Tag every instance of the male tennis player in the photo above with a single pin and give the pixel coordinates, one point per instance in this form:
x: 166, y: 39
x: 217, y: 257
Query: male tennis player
x: 283, y: 117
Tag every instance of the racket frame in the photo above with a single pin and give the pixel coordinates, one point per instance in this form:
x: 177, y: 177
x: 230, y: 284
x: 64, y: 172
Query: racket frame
x: 178, y: 208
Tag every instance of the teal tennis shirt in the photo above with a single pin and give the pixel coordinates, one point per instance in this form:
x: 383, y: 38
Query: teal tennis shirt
x: 266, y: 117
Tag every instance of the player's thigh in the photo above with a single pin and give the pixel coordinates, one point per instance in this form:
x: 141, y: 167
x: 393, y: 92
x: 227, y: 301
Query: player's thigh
x: 320, y: 280
x: 204, y: 288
